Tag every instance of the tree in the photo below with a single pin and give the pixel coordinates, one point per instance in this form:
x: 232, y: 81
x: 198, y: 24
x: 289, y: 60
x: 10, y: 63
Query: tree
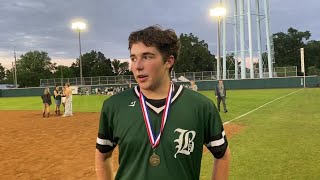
x: 194, y: 55
x: 2, y: 73
x: 9, y: 77
x: 93, y: 64
x: 123, y: 68
x: 312, y: 70
x: 33, y: 66
x: 63, y: 72
x: 102, y: 66
x: 287, y: 46
x: 116, y: 66
x: 312, y: 54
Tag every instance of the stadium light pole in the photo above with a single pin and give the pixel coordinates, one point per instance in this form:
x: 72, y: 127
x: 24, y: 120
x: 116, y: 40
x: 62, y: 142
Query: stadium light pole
x: 218, y: 12
x: 79, y: 26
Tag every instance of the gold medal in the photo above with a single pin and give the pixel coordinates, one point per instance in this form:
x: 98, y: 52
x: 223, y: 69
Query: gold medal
x: 154, y: 160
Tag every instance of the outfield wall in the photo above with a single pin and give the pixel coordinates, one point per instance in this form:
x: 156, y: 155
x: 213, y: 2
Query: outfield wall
x: 267, y: 83
x: 38, y: 91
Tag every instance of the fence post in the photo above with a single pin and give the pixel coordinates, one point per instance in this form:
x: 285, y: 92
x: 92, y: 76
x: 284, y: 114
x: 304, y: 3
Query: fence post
x: 285, y: 71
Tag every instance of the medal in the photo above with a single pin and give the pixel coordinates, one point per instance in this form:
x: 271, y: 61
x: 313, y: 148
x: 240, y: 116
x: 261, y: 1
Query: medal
x: 154, y: 160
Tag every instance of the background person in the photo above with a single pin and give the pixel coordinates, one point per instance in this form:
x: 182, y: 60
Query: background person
x: 68, y: 103
x: 57, y: 99
x: 63, y: 98
x: 221, y: 95
x: 46, y: 100
x: 193, y: 86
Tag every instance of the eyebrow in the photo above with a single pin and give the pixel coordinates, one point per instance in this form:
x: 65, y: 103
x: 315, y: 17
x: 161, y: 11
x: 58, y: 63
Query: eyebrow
x: 144, y: 54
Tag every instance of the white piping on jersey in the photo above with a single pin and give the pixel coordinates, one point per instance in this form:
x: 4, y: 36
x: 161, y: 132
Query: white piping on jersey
x: 217, y: 142
x: 158, y: 110
x: 104, y: 142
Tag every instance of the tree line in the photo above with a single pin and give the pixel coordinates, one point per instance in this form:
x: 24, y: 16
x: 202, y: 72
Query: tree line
x: 194, y: 56
x: 36, y: 65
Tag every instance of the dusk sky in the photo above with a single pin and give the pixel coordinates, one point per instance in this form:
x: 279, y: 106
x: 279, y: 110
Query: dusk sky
x: 28, y: 25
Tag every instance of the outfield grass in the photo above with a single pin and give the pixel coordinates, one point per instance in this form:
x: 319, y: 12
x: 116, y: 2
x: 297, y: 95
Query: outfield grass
x: 242, y: 101
x: 238, y: 101
x: 92, y: 103
x: 280, y: 140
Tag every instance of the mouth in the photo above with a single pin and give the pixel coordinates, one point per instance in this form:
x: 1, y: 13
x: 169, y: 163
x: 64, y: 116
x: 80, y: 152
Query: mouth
x: 142, y: 78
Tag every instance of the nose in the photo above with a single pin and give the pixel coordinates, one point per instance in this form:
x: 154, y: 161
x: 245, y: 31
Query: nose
x: 138, y: 64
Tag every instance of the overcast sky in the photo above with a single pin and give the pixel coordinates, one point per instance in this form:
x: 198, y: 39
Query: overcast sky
x: 46, y: 24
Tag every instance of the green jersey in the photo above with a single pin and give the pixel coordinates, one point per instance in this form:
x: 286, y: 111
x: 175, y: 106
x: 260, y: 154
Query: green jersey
x: 193, y: 121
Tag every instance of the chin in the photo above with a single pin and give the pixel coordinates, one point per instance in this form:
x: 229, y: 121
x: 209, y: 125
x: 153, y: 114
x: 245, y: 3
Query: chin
x: 144, y: 86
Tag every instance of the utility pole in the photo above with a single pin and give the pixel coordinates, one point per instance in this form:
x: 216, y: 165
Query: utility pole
x: 15, y: 69
x: 13, y: 77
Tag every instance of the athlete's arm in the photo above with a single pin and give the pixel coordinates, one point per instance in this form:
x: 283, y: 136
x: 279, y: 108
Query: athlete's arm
x: 103, y: 162
x: 221, y: 166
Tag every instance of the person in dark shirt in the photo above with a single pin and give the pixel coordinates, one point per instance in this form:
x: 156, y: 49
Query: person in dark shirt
x: 221, y: 95
x: 161, y: 150
x: 46, y: 100
x: 57, y: 99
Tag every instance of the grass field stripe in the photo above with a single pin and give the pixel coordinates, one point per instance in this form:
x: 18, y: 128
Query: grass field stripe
x: 261, y: 106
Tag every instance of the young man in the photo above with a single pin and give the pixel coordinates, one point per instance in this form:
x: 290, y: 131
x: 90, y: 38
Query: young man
x: 160, y: 128
x: 68, y: 101
x: 221, y: 95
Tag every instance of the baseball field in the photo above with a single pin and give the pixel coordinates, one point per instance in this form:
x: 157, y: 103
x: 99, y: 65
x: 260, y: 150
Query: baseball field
x: 273, y: 134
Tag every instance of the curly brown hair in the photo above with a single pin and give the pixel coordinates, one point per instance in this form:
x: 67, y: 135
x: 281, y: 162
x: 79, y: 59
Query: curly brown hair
x: 166, y: 41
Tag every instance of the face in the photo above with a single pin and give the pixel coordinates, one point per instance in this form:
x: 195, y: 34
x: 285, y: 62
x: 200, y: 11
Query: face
x: 148, y: 66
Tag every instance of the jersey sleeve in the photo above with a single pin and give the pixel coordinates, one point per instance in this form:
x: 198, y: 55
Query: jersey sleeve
x: 105, y: 140
x: 215, y: 137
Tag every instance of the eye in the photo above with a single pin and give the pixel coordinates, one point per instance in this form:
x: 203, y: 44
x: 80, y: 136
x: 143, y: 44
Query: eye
x: 133, y: 59
x: 147, y: 57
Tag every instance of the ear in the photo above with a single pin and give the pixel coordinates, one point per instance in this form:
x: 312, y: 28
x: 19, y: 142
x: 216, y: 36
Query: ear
x: 170, y: 61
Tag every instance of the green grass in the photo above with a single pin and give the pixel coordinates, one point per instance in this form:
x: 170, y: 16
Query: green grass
x: 279, y: 141
x: 91, y: 103
x: 242, y: 101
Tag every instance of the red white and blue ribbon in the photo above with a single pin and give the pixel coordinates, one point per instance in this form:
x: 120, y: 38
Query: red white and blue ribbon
x: 155, y: 140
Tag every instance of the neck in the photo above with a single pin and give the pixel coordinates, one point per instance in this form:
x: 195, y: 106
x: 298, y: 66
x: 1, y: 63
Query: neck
x: 159, y: 92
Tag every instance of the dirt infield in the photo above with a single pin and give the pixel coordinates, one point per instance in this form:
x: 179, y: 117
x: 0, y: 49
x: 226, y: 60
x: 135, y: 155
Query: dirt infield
x: 33, y: 147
